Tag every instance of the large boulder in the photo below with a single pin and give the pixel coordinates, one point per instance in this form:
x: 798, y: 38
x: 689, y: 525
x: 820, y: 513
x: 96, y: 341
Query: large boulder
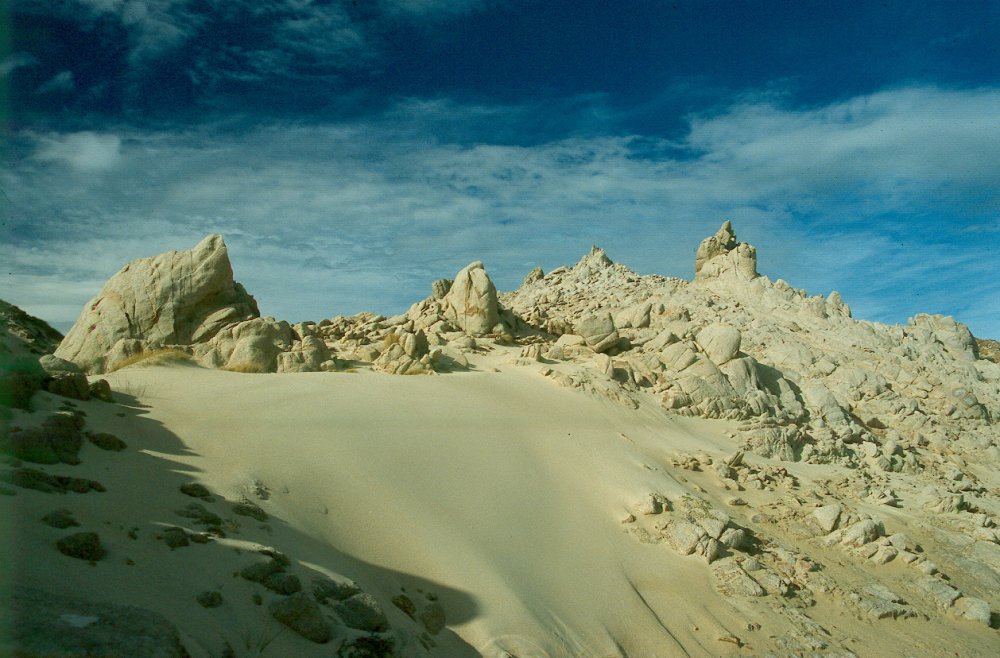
x: 721, y: 255
x: 598, y: 331
x: 471, y: 302
x: 176, y: 298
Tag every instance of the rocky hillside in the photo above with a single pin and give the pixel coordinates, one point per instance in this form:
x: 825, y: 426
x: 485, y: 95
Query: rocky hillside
x: 808, y: 381
x: 831, y: 466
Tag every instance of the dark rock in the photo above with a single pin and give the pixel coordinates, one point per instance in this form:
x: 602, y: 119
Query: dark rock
x: 30, y: 478
x: 20, y: 379
x: 325, y: 589
x: 258, y: 571
x: 195, y: 490
x: 303, y: 615
x: 210, y: 599
x: 251, y: 510
x: 405, y: 603
x: 106, y: 441
x: 101, y: 390
x: 60, y: 518
x: 39, y: 628
x: 432, y: 617
x: 175, y: 537
x: 31, y: 445
x: 68, y: 385
x: 82, y: 545
x: 362, y: 612
x: 282, y: 583
x: 200, y: 515
x: 200, y: 537
x: 62, y: 430
x: 372, y: 646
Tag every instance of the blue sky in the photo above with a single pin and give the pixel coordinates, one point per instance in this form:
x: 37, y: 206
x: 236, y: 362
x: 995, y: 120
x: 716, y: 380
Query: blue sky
x: 351, y: 152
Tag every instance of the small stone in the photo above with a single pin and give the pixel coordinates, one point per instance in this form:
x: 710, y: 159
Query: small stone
x: 684, y: 536
x: 927, y: 567
x: 210, y: 599
x: 867, y: 550
x: 82, y: 545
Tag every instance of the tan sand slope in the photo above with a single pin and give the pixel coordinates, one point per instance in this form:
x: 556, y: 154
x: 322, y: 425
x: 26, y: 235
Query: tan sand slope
x: 505, y: 496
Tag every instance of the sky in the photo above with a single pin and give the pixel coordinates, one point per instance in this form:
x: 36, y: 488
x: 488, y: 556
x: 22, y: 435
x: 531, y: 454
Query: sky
x: 353, y: 151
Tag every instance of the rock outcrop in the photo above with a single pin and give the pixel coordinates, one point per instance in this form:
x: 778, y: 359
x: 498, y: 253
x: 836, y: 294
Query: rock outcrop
x: 721, y: 255
x: 176, y: 298
x: 471, y: 303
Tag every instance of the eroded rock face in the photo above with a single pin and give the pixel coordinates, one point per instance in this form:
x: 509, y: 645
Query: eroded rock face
x: 471, y: 303
x: 176, y: 298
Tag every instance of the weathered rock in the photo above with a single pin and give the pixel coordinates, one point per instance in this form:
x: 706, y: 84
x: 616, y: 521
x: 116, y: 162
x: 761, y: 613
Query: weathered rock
x: 471, y: 303
x: 64, y: 378
x: 973, y: 609
x: 826, y: 517
x: 195, y: 490
x: 598, y: 331
x: 860, y: 533
x: 101, y: 390
x: 720, y: 342
x: 176, y: 298
x: 302, y: 614
x: 939, y: 591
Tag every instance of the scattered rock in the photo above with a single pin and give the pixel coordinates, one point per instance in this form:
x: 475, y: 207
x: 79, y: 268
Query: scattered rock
x: 195, y: 490
x: 175, y: 537
x: 82, y: 545
x: 973, y: 609
x: 302, y: 614
x: 30, y: 478
x: 210, y: 599
x: 200, y: 515
x: 826, y: 517
x: 362, y: 612
x: 60, y: 518
x: 251, y: 510
x: 106, y: 441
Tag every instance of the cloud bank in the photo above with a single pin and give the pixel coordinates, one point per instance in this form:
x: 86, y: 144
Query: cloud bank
x: 337, y: 218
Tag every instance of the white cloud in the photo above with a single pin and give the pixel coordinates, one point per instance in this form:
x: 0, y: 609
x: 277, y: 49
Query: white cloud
x: 60, y: 82
x: 16, y: 61
x: 83, y: 151
x: 431, y: 7
x: 870, y: 197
